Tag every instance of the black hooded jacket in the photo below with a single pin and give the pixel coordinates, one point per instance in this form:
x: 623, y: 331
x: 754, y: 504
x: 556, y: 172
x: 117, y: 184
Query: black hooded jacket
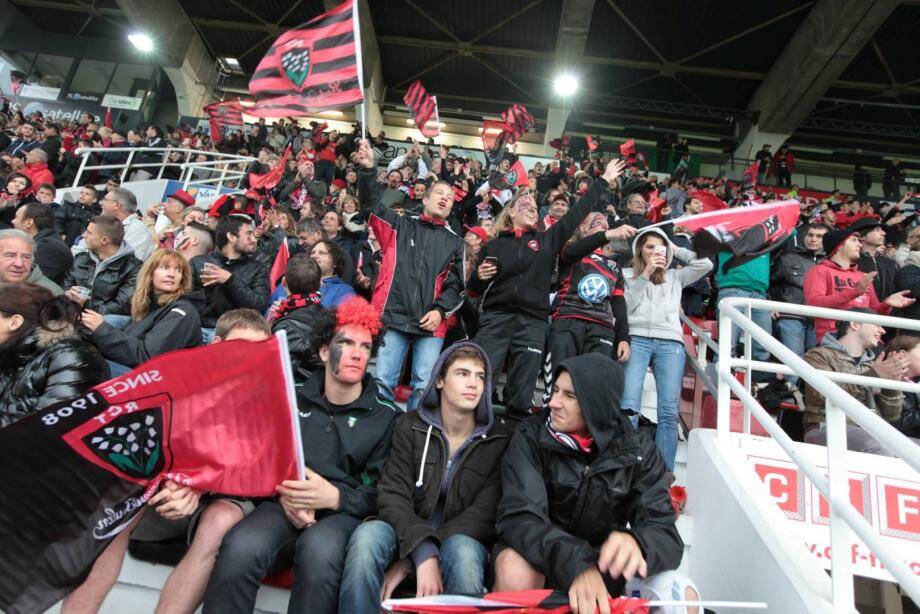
x: 427, y: 499
x: 559, y: 505
x: 347, y: 444
x: 299, y: 325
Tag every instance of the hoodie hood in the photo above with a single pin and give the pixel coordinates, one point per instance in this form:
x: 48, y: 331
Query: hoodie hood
x: 123, y: 250
x: 431, y: 397
x: 598, y: 383
x: 913, y: 258
x: 664, y: 237
x: 830, y: 341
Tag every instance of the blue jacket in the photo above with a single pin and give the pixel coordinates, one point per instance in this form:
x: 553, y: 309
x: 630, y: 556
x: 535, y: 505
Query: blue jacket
x: 333, y: 291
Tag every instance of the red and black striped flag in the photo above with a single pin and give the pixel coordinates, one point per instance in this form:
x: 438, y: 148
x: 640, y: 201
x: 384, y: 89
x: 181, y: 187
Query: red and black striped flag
x: 517, y: 122
x: 311, y: 68
x: 224, y: 114
x: 423, y: 107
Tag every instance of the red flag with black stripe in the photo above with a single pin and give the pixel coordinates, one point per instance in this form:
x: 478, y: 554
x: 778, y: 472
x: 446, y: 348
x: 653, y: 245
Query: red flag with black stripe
x: 270, y: 179
x: 314, y: 67
x: 423, y: 107
x: 517, y: 122
x: 590, y: 142
x: 710, y: 201
x: 224, y: 114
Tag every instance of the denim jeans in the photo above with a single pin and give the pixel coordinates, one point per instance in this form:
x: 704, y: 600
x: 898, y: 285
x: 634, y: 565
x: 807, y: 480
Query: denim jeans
x: 371, y: 550
x: 798, y: 336
x: 265, y: 542
x: 761, y: 318
x: 392, y: 355
x: 118, y: 321
x: 667, y: 359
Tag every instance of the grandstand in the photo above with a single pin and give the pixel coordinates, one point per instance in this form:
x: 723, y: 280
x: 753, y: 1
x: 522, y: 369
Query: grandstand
x: 699, y: 89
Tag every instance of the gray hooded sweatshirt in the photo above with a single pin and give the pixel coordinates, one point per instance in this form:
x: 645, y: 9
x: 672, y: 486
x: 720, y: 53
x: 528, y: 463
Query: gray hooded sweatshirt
x: 654, y: 309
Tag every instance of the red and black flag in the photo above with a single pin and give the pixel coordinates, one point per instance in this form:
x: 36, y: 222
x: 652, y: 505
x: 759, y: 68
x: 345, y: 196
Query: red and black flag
x: 628, y: 148
x: 220, y: 418
x: 222, y: 115
x: 270, y: 179
x: 514, y: 177
x: 710, y: 201
x: 745, y: 232
x: 423, y: 108
x: 517, y: 122
x: 591, y: 143
x: 312, y: 68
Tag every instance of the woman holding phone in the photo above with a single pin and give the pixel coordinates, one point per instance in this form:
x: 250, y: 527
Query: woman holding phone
x: 653, y: 292
x: 513, y: 279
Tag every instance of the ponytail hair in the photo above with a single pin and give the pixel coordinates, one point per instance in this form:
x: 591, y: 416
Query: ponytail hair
x: 38, y: 307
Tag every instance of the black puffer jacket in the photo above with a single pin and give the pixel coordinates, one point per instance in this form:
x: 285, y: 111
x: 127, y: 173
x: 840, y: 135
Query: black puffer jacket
x: 422, y: 266
x: 174, y: 326
x: 559, y: 505
x: 71, y: 219
x: 46, y: 367
x: 111, y: 281
x: 787, y: 276
x: 456, y: 498
x: 247, y: 286
x: 302, y: 345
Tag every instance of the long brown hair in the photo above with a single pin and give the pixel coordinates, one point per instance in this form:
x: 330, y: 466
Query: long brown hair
x: 503, y: 221
x: 639, y: 261
x: 144, y: 293
x: 38, y: 308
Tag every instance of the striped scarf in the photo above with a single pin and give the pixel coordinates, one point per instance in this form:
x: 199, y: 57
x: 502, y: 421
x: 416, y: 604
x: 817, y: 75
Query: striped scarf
x: 570, y: 440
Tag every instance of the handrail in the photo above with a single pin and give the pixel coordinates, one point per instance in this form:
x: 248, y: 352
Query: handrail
x: 839, y: 406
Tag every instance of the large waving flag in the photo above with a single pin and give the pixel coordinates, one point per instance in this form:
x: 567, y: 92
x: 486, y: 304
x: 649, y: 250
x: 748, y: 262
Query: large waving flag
x: 314, y: 67
x: 222, y: 115
x: 270, y: 179
x: 710, y: 201
x: 745, y: 232
x: 517, y: 122
x: 423, y: 108
x: 220, y: 418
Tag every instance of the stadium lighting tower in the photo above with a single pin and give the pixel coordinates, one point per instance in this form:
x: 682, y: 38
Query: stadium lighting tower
x: 565, y: 84
x: 141, y: 42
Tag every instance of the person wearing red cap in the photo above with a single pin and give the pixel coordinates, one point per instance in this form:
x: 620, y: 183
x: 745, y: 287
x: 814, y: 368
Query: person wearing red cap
x: 837, y: 282
x: 172, y: 209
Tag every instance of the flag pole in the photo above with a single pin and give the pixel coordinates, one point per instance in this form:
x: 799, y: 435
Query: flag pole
x: 358, y: 55
x: 288, y: 372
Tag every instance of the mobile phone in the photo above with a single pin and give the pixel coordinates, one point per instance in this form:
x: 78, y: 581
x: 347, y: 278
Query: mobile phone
x: 491, y: 260
x: 661, y: 250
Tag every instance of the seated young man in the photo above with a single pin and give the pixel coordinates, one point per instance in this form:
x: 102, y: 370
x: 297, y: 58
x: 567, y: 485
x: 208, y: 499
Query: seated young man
x: 181, y: 513
x: 852, y: 350
x: 297, y: 314
x: 572, y: 479
x: 437, y: 519
x: 346, y: 429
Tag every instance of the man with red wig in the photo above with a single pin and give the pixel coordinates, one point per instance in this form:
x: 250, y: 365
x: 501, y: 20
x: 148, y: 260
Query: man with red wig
x: 346, y: 428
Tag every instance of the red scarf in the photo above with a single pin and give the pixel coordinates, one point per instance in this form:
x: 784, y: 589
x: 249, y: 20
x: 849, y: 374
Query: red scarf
x: 294, y: 301
x: 432, y: 220
x: 570, y: 440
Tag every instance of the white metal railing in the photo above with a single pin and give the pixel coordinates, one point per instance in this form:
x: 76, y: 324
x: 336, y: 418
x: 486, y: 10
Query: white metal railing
x: 843, y: 516
x: 220, y: 167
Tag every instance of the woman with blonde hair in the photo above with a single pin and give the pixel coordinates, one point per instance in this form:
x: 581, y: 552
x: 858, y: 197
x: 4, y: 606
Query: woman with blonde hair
x: 163, y: 318
x: 513, y: 278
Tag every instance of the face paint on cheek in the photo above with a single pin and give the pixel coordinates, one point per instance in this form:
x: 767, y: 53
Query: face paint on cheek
x: 335, y: 356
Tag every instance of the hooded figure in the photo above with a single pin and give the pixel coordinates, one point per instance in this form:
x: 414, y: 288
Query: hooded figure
x: 434, y: 500
x: 563, y: 494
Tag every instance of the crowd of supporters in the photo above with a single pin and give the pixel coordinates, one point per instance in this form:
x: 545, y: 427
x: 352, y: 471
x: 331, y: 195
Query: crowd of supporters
x: 461, y: 269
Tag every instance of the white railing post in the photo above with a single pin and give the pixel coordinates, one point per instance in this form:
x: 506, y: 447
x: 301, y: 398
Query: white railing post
x: 724, y: 402
x: 749, y: 372
x: 124, y: 171
x: 76, y: 179
x: 839, y: 491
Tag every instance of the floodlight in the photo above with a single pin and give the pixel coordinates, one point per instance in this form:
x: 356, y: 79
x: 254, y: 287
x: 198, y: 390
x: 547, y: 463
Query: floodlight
x: 141, y: 42
x: 565, y: 84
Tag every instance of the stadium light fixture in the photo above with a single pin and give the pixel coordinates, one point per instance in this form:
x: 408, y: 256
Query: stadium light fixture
x: 565, y: 84
x: 141, y: 42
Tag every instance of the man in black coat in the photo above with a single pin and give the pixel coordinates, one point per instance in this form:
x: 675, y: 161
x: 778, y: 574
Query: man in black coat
x: 436, y: 520
x: 573, y: 478
x: 72, y: 218
x: 298, y: 314
x: 103, y: 278
x: 51, y: 254
x: 346, y: 429
x: 230, y: 276
x: 873, y: 259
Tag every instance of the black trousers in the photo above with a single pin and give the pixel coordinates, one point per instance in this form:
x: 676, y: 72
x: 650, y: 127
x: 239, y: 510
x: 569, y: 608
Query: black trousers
x: 783, y: 178
x: 572, y: 337
x: 519, y: 339
x: 325, y: 171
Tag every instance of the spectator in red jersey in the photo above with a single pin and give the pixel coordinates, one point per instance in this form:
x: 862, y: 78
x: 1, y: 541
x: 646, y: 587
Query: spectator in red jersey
x: 837, y: 282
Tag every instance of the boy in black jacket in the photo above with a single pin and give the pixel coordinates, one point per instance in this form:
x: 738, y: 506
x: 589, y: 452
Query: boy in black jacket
x: 573, y: 478
x: 345, y: 427
x: 437, y: 519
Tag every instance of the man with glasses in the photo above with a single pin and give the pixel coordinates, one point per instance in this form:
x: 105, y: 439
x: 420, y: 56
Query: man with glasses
x: 230, y: 277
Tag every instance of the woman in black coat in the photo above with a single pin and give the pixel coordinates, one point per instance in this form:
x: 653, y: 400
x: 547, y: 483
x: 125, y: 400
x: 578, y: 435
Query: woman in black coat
x: 42, y: 360
x: 163, y: 318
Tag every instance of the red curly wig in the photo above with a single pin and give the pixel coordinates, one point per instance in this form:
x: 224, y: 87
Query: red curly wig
x: 356, y: 311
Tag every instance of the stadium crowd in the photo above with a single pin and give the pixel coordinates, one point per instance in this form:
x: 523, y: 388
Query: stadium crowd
x: 467, y: 291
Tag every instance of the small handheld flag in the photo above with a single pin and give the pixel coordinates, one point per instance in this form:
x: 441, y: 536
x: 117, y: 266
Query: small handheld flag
x: 423, y: 107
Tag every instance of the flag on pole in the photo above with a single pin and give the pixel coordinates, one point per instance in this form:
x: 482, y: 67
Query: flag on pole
x: 279, y: 266
x: 108, y: 117
x: 628, y: 148
x: 655, y: 205
x: 517, y: 122
x: 423, y: 107
x: 745, y: 232
x: 270, y: 179
x: 224, y: 114
x: 516, y: 176
x: 314, y: 67
x: 591, y: 143
x: 751, y: 173
x: 710, y: 201
x: 220, y: 418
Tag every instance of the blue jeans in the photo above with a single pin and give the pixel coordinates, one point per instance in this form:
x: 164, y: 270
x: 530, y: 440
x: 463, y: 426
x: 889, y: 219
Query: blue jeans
x: 265, y: 542
x: 371, y: 550
x: 798, y: 336
x: 392, y: 355
x: 118, y: 321
x: 761, y: 318
x: 667, y: 359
